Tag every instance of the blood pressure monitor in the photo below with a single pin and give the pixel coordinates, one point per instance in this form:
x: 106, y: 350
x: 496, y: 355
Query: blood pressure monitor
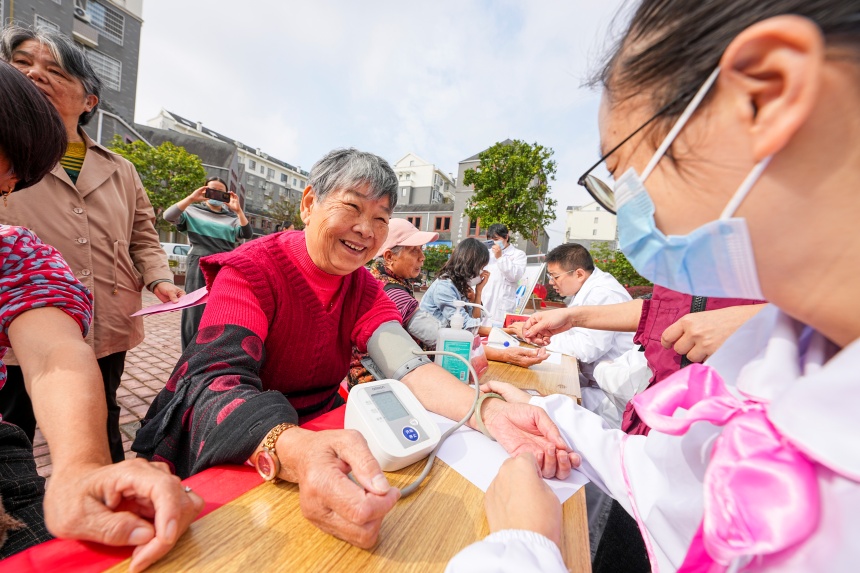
x: 398, y: 429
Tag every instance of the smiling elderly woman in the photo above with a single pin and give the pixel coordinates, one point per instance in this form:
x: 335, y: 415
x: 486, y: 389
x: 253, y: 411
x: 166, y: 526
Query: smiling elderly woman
x: 275, y: 342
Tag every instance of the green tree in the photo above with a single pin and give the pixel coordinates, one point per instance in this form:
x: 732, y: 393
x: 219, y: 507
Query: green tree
x: 168, y: 173
x: 616, y: 264
x: 285, y: 212
x: 434, y: 258
x: 512, y: 187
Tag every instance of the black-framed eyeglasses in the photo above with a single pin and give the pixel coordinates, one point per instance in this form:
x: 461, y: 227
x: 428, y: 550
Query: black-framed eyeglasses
x: 600, y: 191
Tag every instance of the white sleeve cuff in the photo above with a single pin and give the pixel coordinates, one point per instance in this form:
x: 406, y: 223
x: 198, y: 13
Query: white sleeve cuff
x: 509, y: 550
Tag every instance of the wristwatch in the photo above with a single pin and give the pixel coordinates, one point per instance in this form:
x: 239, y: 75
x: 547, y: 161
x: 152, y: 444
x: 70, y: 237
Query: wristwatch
x: 267, y: 463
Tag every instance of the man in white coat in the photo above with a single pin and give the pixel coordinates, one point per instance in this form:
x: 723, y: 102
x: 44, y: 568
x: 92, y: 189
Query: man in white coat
x: 572, y: 272
x: 506, y: 267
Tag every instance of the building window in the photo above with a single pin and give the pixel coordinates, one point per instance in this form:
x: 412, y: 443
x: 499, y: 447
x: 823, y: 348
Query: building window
x: 284, y: 178
x: 595, y: 220
x: 594, y: 232
x: 42, y: 22
x: 442, y: 224
x: 252, y: 164
x: 262, y: 168
x: 405, y: 191
x: 270, y: 173
x: 106, y: 20
x: 474, y: 227
x: 295, y: 182
x: 415, y: 221
x: 107, y: 68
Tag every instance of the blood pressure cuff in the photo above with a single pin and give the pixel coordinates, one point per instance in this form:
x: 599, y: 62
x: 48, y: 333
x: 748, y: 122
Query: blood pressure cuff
x: 392, y: 350
x: 424, y: 327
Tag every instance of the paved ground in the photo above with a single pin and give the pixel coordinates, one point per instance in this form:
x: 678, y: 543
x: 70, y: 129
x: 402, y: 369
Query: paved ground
x: 147, y: 369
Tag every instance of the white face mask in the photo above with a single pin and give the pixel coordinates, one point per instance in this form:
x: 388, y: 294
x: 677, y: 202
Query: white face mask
x: 474, y: 281
x: 714, y: 260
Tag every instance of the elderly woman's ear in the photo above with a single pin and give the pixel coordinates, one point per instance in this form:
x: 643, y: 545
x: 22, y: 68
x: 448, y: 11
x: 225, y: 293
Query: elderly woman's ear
x: 308, y: 198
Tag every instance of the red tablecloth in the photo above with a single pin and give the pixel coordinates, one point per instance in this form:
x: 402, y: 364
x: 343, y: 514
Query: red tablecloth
x: 217, y: 486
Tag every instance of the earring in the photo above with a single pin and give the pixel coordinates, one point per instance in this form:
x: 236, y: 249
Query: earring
x: 6, y: 193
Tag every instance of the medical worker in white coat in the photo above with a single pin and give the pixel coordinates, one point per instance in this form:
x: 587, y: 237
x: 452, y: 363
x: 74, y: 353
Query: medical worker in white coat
x: 725, y: 124
x: 506, y: 267
x: 571, y: 271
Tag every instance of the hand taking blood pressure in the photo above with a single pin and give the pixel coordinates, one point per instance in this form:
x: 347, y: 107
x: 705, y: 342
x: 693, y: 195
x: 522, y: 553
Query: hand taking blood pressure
x: 522, y: 428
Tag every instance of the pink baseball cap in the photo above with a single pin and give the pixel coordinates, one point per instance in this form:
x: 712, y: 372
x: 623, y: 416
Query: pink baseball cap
x: 403, y: 233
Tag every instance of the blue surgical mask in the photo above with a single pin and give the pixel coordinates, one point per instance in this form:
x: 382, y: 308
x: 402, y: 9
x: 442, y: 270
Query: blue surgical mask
x: 215, y: 202
x: 714, y: 260
x: 500, y: 244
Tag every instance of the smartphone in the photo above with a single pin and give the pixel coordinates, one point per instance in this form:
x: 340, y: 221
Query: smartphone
x: 223, y: 196
x: 489, y: 244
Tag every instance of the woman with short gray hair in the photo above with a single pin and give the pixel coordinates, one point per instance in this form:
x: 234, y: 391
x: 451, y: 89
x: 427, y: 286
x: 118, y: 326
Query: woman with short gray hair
x: 275, y: 342
x: 105, y: 228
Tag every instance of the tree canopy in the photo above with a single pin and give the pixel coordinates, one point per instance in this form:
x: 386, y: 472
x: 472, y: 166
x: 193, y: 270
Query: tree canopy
x: 615, y: 263
x: 512, y: 187
x: 285, y: 212
x: 168, y: 173
x: 435, y: 257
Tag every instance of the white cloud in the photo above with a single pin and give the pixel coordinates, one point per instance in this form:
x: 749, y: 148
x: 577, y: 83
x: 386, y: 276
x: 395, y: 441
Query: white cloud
x: 443, y: 79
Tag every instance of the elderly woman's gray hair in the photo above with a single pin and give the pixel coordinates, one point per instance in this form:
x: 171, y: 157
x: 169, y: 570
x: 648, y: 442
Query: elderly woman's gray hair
x: 350, y: 169
x: 70, y: 57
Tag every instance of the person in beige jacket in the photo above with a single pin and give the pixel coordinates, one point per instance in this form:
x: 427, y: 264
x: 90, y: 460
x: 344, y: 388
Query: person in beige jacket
x: 100, y: 220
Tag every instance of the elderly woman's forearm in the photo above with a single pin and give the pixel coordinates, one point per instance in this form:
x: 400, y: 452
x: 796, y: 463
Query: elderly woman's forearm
x: 64, y: 384
x: 440, y: 392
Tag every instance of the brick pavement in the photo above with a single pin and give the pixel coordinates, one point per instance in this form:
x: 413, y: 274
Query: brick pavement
x: 147, y: 369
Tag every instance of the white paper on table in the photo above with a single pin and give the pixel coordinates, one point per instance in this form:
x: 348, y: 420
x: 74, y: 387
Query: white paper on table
x: 194, y: 298
x: 478, y: 459
x: 553, y: 358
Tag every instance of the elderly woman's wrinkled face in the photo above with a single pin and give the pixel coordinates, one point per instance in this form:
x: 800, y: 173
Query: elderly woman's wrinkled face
x: 346, y: 229
x: 63, y: 90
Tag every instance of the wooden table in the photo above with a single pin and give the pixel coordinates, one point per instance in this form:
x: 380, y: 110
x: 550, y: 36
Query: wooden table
x: 545, y: 378
x: 264, y: 530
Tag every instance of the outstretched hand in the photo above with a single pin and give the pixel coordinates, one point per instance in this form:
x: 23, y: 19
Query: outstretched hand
x: 519, y: 499
x: 541, y: 326
x: 521, y: 428
x: 134, y: 502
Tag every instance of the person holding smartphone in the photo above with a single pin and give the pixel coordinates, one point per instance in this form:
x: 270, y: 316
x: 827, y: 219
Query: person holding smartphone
x: 214, y: 221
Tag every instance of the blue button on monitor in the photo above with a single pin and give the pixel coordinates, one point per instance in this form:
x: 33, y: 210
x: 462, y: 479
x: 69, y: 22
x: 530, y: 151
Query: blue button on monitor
x: 410, y: 433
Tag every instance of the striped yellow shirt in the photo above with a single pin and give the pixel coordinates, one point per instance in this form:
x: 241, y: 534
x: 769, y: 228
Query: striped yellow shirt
x: 73, y: 160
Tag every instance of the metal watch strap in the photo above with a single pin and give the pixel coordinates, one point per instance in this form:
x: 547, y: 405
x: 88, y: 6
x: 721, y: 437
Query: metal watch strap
x: 480, y: 421
x: 274, y: 434
x: 272, y: 439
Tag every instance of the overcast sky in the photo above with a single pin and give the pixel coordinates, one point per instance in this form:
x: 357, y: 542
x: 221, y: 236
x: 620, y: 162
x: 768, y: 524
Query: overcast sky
x: 443, y: 79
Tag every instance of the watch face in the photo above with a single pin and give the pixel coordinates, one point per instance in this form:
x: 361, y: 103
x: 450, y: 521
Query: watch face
x: 266, y: 465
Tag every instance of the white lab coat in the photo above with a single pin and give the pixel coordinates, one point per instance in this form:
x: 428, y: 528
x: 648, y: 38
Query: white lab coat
x: 812, y: 398
x: 500, y: 294
x: 621, y: 379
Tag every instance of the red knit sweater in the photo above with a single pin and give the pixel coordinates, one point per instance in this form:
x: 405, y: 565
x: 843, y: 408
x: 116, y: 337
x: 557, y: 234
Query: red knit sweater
x: 308, y: 319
